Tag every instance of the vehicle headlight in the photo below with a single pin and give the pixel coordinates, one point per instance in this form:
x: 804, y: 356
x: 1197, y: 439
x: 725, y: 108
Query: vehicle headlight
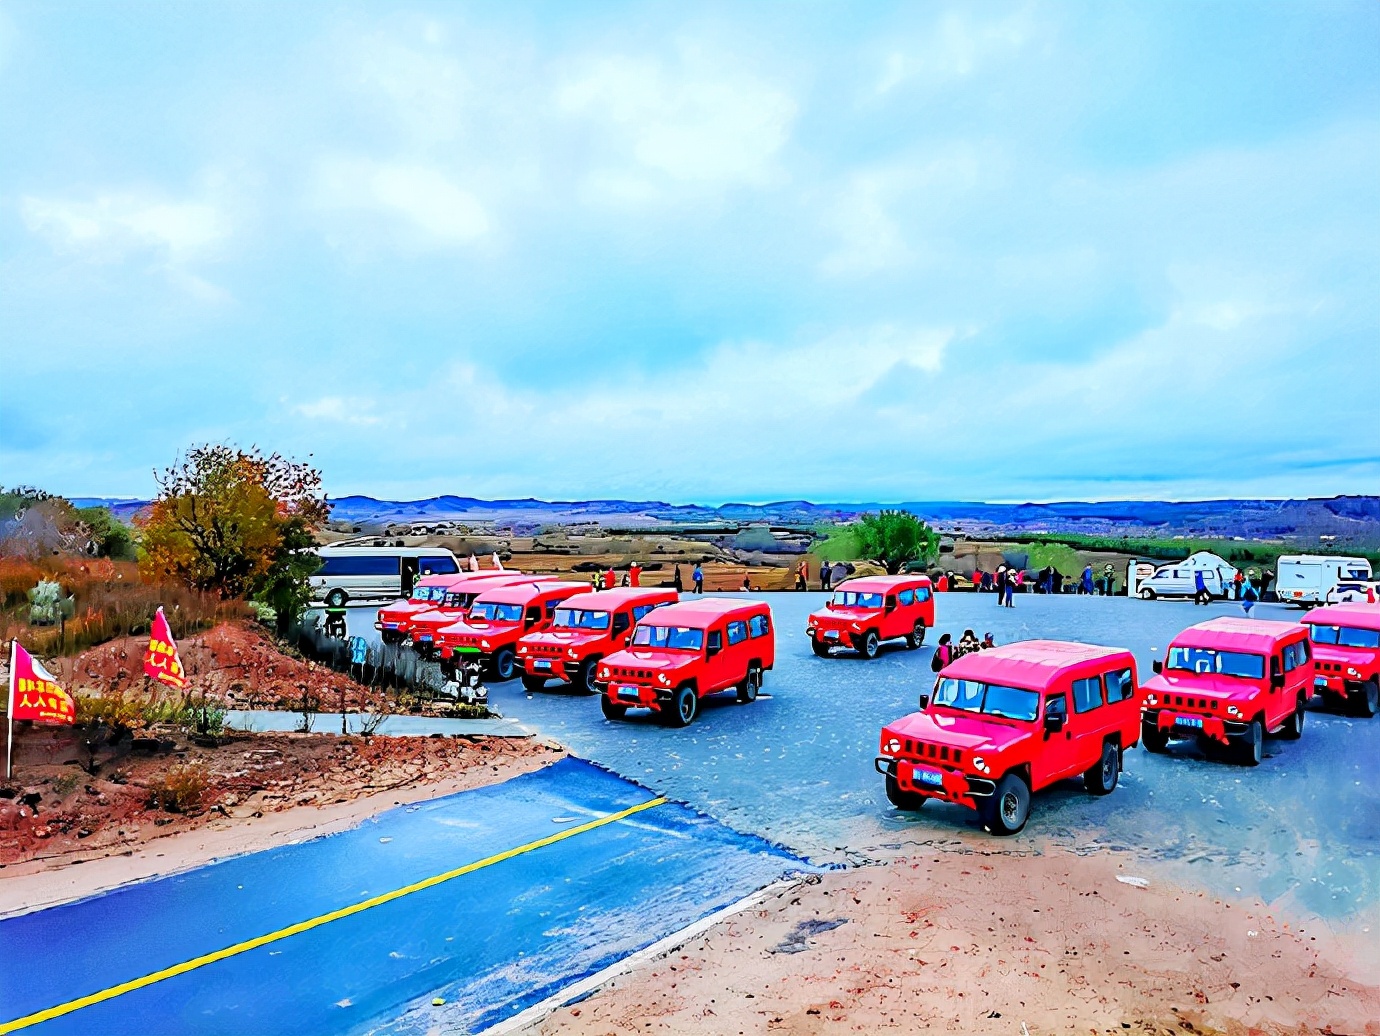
x: 662, y: 678
x: 484, y: 645
x: 1352, y: 672
x: 1150, y: 699
x: 522, y: 649
x: 856, y: 627
x: 603, y: 673
x: 1232, y: 710
x: 572, y: 653
x: 892, y: 747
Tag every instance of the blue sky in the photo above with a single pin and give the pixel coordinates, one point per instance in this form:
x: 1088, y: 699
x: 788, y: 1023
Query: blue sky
x: 696, y: 252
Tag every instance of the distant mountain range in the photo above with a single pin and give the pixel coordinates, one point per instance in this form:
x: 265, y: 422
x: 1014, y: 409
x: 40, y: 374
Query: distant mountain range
x: 1353, y: 520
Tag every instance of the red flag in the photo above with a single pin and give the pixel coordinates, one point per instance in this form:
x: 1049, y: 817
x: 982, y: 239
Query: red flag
x: 34, y: 694
x: 161, y: 660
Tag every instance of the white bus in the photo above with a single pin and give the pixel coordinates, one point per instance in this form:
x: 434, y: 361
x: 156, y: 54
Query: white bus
x: 1306, y: 579
x: 356, y: 571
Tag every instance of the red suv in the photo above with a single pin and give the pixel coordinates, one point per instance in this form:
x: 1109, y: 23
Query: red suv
x: 1227, y: 683
x: 394, y: 620
x: 866, y: 611
x: 584, y: 631
x: 1008, y: 721
x: 683, y: 652
x: 1346, y: 656
x: 498, y: 618
x: 459, y: 596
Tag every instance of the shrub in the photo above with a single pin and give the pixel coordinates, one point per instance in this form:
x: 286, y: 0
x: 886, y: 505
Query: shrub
x: 181, y: 790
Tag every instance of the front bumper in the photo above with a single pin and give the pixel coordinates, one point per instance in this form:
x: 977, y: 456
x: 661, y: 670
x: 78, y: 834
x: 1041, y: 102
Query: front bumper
x: 636, y: 696
x: 1180, y: 723
x: 552, y: 668
x: 936, y: 782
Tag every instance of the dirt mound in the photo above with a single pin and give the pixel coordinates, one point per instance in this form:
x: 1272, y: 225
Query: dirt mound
x: 237, y: 663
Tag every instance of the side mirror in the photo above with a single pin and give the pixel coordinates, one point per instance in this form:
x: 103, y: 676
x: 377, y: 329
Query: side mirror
x: 1055, y: 715
x: 890, y: 604
x: 1157, y: 666
x: 710, y: 651
x: 924, y: 700
x: 829, y: 605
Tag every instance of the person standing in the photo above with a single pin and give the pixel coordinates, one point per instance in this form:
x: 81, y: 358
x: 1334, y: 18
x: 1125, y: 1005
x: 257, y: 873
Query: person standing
x: 1200, y: 590
x: 824, y: 576
x: 943, y: 653
x: 1000, y: 581
x: 802, y: 575
x: 1020, y: 580
x: 942, y: 586
x: 634, y: 574
x: 698, y: 577
x: 1008, y: 593
x: 1248, y: 598
x: 1086, y: 587
x: 610, y: 580
x: 676, y: 581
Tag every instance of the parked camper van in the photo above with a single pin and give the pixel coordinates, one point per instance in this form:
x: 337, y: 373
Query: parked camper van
x: 357, y: 571
x: 1306, y: 579
x: 1179, y: 579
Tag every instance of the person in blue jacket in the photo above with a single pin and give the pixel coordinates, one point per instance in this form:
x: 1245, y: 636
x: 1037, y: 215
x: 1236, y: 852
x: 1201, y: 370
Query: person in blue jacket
x: 698, y: 577
x: 1200, y: 590
x: 1087, y: 586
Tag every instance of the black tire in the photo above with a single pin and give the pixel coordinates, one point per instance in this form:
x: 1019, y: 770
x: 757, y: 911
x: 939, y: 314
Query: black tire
x: 584, y: 676
x: 868, y: 645
x: 819, y: 647
x: 337, y: 598
x: 1146, y: 594
x: 907, y: 800
x: 1153, y: 738
x: 1293, y: 726
x: 1250, y: 746
x: 611, y: 709
x: 1366, y: 702
x: 752, y: 683
x: 1101, y: 778
x: 503, y: 663
x: 917, y: 636
x: 532, y: 682
x: 1007, y: 810
x: 1334, y: 702
x: 682, y: 707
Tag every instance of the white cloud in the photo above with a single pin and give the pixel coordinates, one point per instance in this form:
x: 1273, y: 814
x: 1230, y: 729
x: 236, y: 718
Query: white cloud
x: 956, y: 48
x: 112, y: 225
x: 339, y: 410
x: 432, y: 206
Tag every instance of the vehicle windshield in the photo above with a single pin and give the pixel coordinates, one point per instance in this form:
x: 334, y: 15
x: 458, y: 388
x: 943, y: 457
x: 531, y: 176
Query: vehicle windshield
x: 1357, y: 573
x: 990, y: 699
x: 853, y: 599
x: 494, y: 612
x: 456, y: 600
x: 1345, y: 636
x: 580, y: 619
x: 1219, y: 663
x: 676, y: 638
x: 428, y: 593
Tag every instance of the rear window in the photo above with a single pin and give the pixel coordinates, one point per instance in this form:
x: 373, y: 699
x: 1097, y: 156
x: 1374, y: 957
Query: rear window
x: 922, y: 594
x: 359, y: 565
x: 759, y: 626
x: 905, y: 598
x: 1295, y: 655
x: 1087, y: 694
x: 1120, y: 685
x: 438, y: 566
x: 1346, y: 636
x: 1221, y: 663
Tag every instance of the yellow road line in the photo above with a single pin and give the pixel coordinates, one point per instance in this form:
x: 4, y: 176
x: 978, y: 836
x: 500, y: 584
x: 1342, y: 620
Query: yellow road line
x: 316, y: 922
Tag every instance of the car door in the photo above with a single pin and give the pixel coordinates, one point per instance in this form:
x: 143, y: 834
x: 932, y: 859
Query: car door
x: 1088, y: 717
x: 1050, y: 760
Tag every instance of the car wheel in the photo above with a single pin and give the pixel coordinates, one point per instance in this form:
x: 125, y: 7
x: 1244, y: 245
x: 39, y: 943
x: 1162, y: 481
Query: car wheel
x: 1101, y: 779
x: 819, y: 647
x: 584, y: 676
x: 683, y: 706
x: 1250, y: 746
x: 532, y: 682
x: 867, y: 647
x: 917, y: 636
x: 337, y: 598
x: 1333, y: 702
x: 1153, y: 738
x: 1293, y: 726
x: 611, y: 709
x: 503, y: 663
x: 1007, y: 810
x: 752, y: 683
x: 907, y: 800
x: 1147, y: 594
x: 1367, y: 701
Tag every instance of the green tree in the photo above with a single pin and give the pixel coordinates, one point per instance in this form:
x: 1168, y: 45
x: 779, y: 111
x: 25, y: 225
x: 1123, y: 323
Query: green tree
x: 238, y: 523
x: 895, y: 538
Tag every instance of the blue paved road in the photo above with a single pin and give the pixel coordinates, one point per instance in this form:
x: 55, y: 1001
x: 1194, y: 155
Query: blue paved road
x: 490, y: 942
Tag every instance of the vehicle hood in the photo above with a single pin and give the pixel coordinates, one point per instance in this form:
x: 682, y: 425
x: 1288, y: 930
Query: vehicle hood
x: 843, y: 616
x: 477, y: 628
x: 972, y: 733
x: 657, y: 661
x: 434, y: 617
x: 1206, y: 685
x: 565, y: 638
x: 403, y: 607
x: 1343, y: 655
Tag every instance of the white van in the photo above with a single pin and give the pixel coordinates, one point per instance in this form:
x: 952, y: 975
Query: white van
x: 377, y: 571
x: 1179, y: 579
x: 1306, y: 579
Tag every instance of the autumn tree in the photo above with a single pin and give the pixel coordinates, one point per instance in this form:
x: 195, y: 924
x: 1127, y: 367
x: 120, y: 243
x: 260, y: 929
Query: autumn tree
x: 238, y: 523
x: 894, y: 539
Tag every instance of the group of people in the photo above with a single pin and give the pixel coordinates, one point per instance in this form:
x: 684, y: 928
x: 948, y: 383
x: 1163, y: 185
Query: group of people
x: 946, y: 650
x: 608, y: 579
x: 696, y: 578
x: 830, y: 574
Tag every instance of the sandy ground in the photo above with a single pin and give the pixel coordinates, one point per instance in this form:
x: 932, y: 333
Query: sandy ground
x: 993, y: 943
x: 263, y: 790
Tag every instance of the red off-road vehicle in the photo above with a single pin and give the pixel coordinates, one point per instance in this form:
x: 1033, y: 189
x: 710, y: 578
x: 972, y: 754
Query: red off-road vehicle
x: 682, y: 652
x: 1008, y: 721
x: 866, y: 611
x: 1346, y: 656
x: 582, y: 632
x: 497, y: 620
x: 394, y: 621
x: 1227, y: 683
x: 459, y: 596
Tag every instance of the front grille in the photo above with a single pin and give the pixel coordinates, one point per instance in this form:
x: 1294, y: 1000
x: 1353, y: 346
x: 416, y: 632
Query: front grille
x: 1190, y: 702
x: 635, y: 674
x: 924, y: 750
x: 548, y: 650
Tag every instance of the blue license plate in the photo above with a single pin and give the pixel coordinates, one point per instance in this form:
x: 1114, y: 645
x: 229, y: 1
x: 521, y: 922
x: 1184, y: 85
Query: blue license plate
x: 1319, y: 681
x: 930, y: 778
x: 628, y: 692
x: 831, y: 634
x: 1188, y: 721
x: 390, y: 625
x: 541, y: 663
x: 424, y: 638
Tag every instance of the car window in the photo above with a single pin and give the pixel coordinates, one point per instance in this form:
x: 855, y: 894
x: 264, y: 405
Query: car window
x: 639, y: 610
x: 1350, y: 636
x: 1305, y: 652
x: 1120, y: 685
x: 620, y: 622
x: 737, y: 632
x: 1087, y: 694
x: 922, y: 594
x: 905, y: 598
x: 440, y: 566
x: 359, y: 565
x: 1291, y: 658
x: 759, y: 626
x: 716, y: 640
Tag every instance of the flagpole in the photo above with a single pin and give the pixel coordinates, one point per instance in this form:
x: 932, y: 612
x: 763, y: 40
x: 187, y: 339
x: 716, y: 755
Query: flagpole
x: 9, y: 714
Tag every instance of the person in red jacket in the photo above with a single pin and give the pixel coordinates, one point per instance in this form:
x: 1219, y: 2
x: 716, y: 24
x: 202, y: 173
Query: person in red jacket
x: 942, y: 586
x: 610, y: 580
x: 634, y: 574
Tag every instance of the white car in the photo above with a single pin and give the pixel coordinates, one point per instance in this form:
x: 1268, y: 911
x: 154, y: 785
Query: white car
x: 1355, y: 591
x: 376, y: 571
x: 1307, y: 579
x: 1179, y: 579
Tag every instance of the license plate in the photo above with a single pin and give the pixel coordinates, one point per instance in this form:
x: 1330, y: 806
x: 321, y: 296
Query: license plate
x: 390, y: 625
x: 930, y: 778
x: 831, y: 634
x: 425, y: 638
x: 1319, y: 681
x: 628, y: 692
x: 1188, y: 721
x: 541, y: 663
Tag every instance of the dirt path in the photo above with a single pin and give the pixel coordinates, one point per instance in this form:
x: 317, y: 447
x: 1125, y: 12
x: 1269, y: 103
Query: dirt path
x: 997, y: 944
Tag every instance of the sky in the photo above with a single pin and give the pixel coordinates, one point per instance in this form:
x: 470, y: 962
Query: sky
x: 696, y: 252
